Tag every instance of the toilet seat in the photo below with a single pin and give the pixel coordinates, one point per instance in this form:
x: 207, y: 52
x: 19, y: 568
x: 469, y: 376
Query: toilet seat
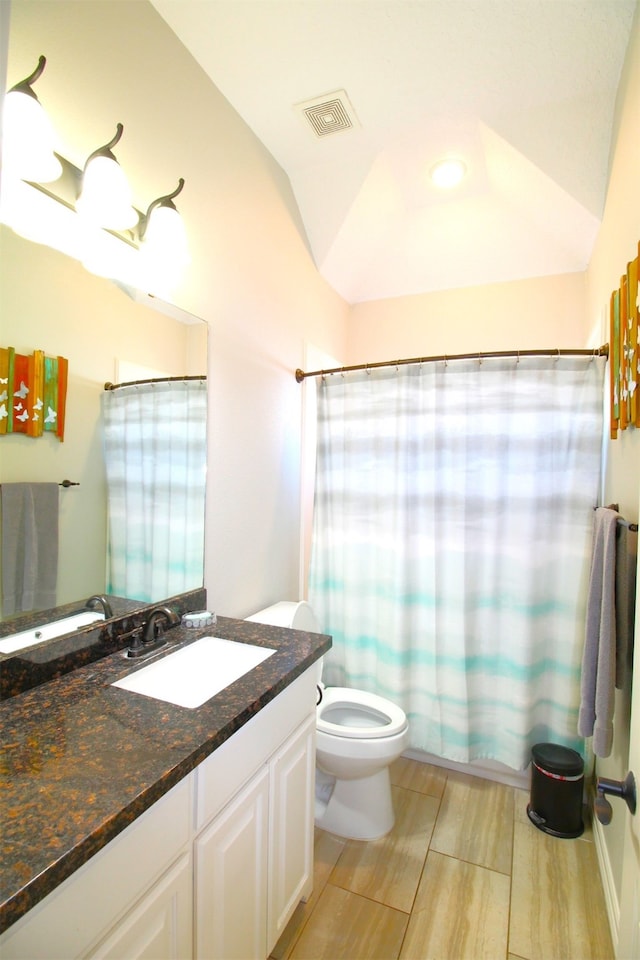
x: 357, y: 714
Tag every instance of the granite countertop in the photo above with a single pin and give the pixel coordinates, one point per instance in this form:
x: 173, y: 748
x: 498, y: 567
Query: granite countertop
x: 81, y: 759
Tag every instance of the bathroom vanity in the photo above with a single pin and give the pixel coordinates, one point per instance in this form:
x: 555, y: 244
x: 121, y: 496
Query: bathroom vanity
x: 161, y: 831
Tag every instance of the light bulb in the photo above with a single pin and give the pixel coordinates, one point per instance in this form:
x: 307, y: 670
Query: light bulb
x: 448, y: 173
x: 27, y: 140
x: 106, y: 196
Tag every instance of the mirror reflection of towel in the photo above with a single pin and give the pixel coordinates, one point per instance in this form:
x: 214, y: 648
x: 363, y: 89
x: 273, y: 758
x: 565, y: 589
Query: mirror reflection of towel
x: 29, y: 546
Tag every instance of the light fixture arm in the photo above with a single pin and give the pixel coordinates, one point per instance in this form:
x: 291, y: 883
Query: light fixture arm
x: 166, y: 201
x: 25, y: 85
x: 105, y: 151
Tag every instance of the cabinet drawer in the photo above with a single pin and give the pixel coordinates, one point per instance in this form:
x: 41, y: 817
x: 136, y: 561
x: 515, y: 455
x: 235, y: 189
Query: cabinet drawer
x: 222, y: 774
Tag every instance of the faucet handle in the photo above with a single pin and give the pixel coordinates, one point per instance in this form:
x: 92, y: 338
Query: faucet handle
x: 135, y: 644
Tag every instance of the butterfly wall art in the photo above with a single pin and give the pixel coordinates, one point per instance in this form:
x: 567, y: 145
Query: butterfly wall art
x: 624, y: 350
x: 33, y: 393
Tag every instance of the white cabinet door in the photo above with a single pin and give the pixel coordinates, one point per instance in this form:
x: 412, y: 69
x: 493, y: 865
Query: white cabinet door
x: 292, y: 772
x: 160, y: 925
x: 231, y: 878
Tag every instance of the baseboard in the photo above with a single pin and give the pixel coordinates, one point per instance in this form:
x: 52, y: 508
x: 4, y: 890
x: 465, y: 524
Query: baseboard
x: 487, y: 769
x: 608, y: 885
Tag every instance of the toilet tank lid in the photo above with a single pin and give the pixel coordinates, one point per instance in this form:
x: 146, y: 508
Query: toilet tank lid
x: 297, y: 615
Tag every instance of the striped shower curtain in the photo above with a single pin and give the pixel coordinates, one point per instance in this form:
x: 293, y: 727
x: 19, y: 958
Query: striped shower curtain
x: 452, y: 534
x: 155, y: 455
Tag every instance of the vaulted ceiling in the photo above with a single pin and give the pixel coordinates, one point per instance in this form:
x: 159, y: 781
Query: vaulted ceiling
x: 523, y: 91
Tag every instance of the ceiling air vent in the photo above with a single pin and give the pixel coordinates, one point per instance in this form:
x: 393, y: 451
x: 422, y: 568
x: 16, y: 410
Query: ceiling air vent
x: 329, y: 114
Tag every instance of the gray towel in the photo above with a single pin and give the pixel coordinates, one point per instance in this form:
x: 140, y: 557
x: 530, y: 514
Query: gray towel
x: 626, y: 549
x: 29, y: 546
x: 599, y: 656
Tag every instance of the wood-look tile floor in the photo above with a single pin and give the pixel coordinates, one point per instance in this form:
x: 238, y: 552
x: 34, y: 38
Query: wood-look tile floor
x: 463, y: 874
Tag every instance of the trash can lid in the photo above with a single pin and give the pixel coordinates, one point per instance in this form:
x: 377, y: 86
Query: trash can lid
x: 557, y: 759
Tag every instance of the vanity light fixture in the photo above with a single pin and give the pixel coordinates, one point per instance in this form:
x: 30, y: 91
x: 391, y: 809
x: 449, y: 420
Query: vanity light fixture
x: 448, y: 173
x: 105, y: 199
x: 88, y: 214
x: 28, y: 139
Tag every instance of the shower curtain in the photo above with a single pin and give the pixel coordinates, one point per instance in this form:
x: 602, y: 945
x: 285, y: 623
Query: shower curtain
x: 155, y: 455
x: 451, y: 542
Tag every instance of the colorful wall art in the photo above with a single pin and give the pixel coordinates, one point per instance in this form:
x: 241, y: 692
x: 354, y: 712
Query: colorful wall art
x: 33, y: 393
x: 624, y: 356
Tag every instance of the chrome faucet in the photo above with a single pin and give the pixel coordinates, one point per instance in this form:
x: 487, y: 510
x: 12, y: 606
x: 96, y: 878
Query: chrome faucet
x: 100, y: 601
x: 159, y: 618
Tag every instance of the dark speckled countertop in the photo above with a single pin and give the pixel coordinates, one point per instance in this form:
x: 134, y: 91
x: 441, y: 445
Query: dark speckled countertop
x: 81, y: 759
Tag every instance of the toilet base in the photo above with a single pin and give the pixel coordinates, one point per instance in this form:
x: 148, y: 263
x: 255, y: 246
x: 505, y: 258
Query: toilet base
x: 360, y: 809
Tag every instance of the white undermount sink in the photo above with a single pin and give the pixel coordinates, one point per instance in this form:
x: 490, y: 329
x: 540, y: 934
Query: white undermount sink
x: 192, y: 675
x: 48, y: 631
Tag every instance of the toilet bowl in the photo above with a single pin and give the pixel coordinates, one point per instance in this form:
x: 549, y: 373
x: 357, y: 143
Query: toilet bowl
x: 358, y: 736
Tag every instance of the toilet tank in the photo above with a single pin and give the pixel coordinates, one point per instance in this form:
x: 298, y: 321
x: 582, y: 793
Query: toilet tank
x: 297, y: 615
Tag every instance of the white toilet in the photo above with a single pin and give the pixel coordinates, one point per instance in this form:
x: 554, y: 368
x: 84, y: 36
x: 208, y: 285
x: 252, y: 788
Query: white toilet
x: 358, y: 735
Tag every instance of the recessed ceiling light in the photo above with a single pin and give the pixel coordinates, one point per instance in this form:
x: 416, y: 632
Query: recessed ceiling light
x: 448, y: 173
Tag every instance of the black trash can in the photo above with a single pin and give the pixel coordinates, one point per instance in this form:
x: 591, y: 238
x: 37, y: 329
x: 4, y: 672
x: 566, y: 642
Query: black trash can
x: 557, y: 780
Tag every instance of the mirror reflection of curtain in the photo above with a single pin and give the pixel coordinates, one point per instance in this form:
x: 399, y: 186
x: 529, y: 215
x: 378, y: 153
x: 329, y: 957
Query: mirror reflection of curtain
x: 452, y: 536
x: 155, y: 456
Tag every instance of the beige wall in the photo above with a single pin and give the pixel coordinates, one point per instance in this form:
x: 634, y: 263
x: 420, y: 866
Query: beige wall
x: 251, y: 278
x: 617, y: 243
x: 520, y: 315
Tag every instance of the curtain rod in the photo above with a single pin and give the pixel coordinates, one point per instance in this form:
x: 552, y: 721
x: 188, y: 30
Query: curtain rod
x: 602, y: 351
x: 136, y: 383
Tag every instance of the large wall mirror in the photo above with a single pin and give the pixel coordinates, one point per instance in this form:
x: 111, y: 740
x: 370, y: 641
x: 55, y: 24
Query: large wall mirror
x: 51, y: 303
